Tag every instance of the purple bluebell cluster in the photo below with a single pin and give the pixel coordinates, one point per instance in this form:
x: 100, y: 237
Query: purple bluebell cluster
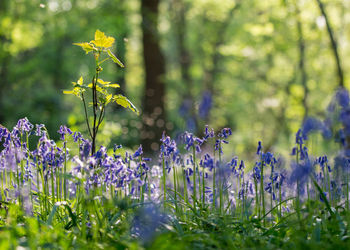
x: 37, y: 177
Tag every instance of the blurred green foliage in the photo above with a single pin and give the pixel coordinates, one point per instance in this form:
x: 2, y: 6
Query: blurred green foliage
x: 245, y: 52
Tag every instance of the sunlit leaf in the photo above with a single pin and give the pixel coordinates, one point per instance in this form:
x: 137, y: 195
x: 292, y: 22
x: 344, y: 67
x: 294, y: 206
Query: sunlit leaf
x: 80, y: 81
x: 109, y: 98
x: 101, y: 40
x: 113, y: 85
x: 124, y: 102
x: 102, y: 82
x: 115, y: 59
x: 98, y: 88
x: 76, y: 91
x: 86, y: 46
x: 68, y: 92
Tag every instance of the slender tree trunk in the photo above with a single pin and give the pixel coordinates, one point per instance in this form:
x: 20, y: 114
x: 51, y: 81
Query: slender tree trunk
x: 178, y: 11
x: 211, y: 74
x: 153, y: 103
x: 334, y: 44
x: 122, y: 32
x: 4, y: 62
x: 303, y: 75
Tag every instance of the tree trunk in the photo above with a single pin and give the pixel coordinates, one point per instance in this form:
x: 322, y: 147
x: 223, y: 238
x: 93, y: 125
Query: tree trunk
x: 178, y: 19
x: 122, y: 31
x: 153, y: 103
x: 303, y: 75
x: 4, y: 61
x: 334, y: 44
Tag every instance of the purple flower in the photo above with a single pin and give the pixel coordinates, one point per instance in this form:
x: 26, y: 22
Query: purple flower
x: 342, y: 97
x: 301, y: 171
x: 77, y: 136
x: 138, y: 152
x: 225, y: 133
x: 24, y: 125
x: 63, y: 131
x: 311, y: 124
x: 38, y: 129
x: 205, y: 105
x: 208, y: 133
x: 259, y: 149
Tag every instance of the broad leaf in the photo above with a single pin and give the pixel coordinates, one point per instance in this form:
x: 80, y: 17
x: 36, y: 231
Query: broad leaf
x: 86, y: 46
x: 101, y: 40
x: 80, y: 81
x: 113, y: 85
x: 123, y: 101
x: 102, y: 82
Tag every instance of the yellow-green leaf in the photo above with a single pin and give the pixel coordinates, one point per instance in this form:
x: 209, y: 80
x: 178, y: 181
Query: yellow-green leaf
x: 113, y: 85
x: 108, y: 98
x: 80, y: 81
x: 124, y: 102
x: 101, y: 90
x: 115, y: 59
x: 76, y: 91
x: 86, y: 46
x: 101, y: 40
x: 102, y: 82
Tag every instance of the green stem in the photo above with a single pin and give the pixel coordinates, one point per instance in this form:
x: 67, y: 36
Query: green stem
x: 65, y: 172
x: 214, y: 182
x: 262, y: 193
x: 220, y: 180
x: 164, y: 179
x: 257, y: 210
x: 175, y: 187
x: 194, y: 179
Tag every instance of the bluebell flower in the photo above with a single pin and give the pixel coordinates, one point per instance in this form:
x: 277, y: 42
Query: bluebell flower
x: 225, y: 133
x: 185, y: 107
x: 257, y: 171
x: 301, y: 172
x: 268, y: 158
x: 311, y: 124
x: 39, y: 127
x: 192, y: 141
x: 342, y: 97
x: 279, y: 180
x: 147, y: 221
x: 259, y: 149
x: 207, y: 162
x: 76, y: 136
x: 24, y: 125
x: 63, y: 131
x: 241, y: 165
x: 205, y: 105
x: 168, y: 147
x: 138, y: 152
x: 344, y: 117
x: 191, y: 124
x: 208, y: 133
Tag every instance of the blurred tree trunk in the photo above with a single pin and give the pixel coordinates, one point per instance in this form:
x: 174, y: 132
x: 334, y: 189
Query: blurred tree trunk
x: 122, y: 32
x: 334, y: 44
x: 211, y: 73
x: 178, y: 10
x: 302, y: 69
x: 153, y: 103
x: 4, y: 61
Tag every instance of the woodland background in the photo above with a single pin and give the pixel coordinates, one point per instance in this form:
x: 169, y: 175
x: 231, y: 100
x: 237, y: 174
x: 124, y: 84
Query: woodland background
x: 259, y: 67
